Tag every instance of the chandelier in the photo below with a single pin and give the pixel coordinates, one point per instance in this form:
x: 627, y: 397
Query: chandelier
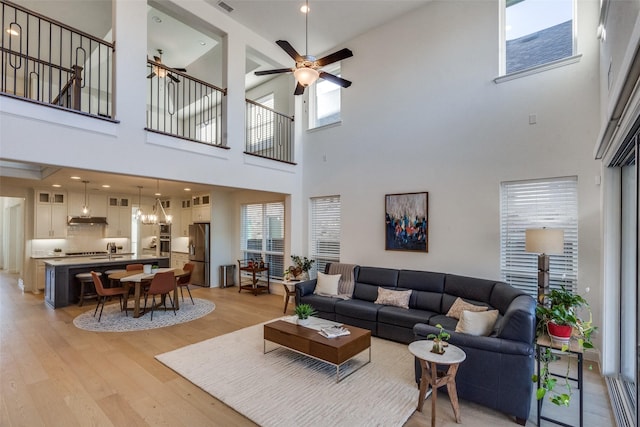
x: 153, y: 217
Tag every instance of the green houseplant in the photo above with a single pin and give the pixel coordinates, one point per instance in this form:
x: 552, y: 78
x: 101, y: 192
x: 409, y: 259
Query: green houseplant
x: 302, y: 266
x: 304, y: 311
x: 561, y: 312
x: 439, y: 340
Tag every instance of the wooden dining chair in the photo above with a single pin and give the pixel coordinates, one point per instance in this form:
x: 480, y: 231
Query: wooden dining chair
x: 104, y: 293
x: 184, y: 281
x: 162, y: 284
x: 133, y: 267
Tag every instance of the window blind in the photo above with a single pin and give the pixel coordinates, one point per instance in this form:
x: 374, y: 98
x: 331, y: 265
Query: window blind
x: 325, y: 232
x: 262, y: 235
x: 551, y: 203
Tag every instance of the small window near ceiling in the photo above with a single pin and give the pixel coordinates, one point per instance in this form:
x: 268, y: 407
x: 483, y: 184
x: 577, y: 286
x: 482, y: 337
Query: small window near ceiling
x: 537, y: 32
x: 324, y: 101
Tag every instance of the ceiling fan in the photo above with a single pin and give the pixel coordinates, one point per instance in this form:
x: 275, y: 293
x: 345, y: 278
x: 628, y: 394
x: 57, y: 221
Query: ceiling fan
x: 162, y: 72
x: 307, y: 68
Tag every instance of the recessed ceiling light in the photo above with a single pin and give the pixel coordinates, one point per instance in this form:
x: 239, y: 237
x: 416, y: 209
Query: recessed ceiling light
x: 106, y: 186
x: 56, y: 185
x: 202, y: 43
x: 157, y: 194
x: 304, y: 8
x: 74, y: 177
x: 187, y: 189
x: 156, y: 19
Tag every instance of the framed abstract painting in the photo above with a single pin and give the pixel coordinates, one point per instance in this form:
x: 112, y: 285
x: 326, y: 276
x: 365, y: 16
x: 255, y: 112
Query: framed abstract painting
x: 407, y: 222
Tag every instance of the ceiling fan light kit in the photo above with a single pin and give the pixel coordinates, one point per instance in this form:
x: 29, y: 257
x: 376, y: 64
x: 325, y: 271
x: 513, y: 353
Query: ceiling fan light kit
x: 307, y: 67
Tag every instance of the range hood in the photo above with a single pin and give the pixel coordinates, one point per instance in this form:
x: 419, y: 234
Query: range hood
x: 87, y: 220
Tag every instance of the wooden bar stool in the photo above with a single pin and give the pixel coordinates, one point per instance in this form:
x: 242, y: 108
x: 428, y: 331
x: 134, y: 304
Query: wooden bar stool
x: 87, y: 289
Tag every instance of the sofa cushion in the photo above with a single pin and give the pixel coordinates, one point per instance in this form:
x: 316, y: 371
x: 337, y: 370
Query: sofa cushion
x: 365, y: 292
x: 475, y: 291
x: 428, y: 287
x: 448, y: 323
x: 320, y: 303
x: 358, y: 309
x: 502, y: 295
x: 386, y: 277
x: 406, y: 318
x: 393, y: 297
x: 460, y: 305
x: 476, y: 322
x: 327, y: 284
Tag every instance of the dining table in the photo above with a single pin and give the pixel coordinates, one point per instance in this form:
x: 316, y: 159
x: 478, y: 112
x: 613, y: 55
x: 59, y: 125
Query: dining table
x: 137, y: 278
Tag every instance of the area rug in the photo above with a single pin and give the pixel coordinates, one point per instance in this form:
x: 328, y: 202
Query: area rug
x: 114, y: 320
x: 284, y: 388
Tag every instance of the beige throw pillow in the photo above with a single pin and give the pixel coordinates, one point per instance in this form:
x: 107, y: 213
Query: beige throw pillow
x: 477, y: 323
x: 327, y: 284
x: 459, y: 305
x: 395, y: 298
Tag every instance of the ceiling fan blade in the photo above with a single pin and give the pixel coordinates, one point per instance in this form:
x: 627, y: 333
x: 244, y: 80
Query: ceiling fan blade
x: 334, y: 57
x: 276, y: 71
x: 335, y: 79
x: 290, y: 50
x: 299, y: 89
x: 182, y: 70
x: 151, y: 75
x: 174, y: 78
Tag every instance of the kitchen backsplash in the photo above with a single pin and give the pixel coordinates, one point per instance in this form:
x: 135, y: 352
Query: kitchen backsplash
x: 78, y: 239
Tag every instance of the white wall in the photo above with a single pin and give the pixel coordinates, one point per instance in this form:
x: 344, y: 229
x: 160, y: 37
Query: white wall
x: 423, y: 114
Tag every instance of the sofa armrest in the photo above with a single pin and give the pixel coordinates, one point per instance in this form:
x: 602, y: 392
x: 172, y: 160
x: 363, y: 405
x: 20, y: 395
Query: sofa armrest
x: 519, y: 321
x: 305, y: 288
x: 493, y: 344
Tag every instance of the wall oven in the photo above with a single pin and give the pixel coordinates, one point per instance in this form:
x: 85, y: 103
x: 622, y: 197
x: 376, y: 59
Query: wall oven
x: 165, y: 239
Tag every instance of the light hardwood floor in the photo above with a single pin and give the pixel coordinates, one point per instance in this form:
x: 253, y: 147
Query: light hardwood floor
x: 53, y: 374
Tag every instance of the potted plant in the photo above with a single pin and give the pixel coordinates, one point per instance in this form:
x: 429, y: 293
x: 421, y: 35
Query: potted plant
x: 439, y: 340
x: 560, y: 319
x: 304, y: 311
x: 302, y: 267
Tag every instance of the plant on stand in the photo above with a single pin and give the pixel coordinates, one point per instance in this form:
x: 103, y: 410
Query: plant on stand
x: 561, y: 321
x: 439, y: 340
x: 301, y: 269
x: 304, y: 311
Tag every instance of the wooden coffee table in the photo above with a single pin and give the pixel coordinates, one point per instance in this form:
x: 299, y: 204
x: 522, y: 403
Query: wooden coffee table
x: 307, y: 341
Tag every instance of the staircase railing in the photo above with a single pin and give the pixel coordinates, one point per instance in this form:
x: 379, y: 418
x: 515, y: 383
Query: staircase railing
x: 50, y: 62
x: 269, y: 133
x: 183, y: 106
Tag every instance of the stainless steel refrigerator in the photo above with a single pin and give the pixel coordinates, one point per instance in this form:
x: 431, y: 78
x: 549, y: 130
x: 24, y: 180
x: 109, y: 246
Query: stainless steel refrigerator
x: 199, y: 254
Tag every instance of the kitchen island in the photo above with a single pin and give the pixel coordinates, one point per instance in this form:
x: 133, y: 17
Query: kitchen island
x: 61, y: 286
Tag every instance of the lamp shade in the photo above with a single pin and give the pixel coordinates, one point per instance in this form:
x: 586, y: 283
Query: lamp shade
x: 544, y: 241
x: 306, y: 76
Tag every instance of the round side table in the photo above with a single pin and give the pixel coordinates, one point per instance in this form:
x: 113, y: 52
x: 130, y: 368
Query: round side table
x: 452, y: 357
x: 289, y: 291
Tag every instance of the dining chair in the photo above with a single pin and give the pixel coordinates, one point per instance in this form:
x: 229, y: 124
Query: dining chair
x: 132, y: 267
x: 104, y: 293
x: 162, y: 284
x: 185, y: 281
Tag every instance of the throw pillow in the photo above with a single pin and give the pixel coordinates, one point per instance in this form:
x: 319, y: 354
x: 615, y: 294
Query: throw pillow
x: 395, y: 298
x: 459, y: 305
x: 327, y: 284
x: 479, y: 323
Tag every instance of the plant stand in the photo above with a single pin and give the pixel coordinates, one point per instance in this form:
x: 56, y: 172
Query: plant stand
x: 573, y: 350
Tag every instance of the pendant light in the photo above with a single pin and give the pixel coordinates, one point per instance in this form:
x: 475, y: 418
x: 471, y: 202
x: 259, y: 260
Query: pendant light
x: 138, y: 214
x: 85, y: 207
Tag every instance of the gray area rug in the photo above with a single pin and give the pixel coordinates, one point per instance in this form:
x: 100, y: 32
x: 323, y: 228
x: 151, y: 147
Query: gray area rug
x: 284, y: 388
x: 114, y: 320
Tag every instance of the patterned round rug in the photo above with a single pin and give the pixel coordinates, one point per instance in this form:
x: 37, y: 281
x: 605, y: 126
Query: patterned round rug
x: 114, y: 320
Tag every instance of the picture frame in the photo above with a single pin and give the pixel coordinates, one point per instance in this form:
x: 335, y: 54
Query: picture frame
x: 407, y: 222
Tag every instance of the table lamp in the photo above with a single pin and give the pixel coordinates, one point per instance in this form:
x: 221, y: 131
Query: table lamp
x: 544, y: 242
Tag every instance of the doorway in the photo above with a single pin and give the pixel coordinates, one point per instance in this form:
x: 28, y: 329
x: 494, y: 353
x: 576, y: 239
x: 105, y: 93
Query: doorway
x: 12, y: 229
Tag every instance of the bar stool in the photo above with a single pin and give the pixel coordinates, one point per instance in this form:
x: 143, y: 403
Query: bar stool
x: 110, y: 272
x: 87, y: 289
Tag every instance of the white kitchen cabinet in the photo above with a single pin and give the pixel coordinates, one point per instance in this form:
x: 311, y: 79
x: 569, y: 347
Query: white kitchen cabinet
x: 118, y: 217
x: 179, y: 259
x: 40, y: 275
x: 51, y: 214
x: 185, y: 218
x: 201, y: 208
x: 97, y: 204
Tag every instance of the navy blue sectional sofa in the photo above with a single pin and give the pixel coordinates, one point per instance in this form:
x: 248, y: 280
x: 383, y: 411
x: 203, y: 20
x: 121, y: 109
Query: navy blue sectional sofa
x: 498, y: 369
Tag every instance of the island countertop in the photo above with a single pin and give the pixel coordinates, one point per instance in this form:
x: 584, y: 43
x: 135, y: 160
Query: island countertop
x: 101, y: 260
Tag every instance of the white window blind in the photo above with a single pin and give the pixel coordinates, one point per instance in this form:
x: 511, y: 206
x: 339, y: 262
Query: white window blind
x: 262, y: 235
x: 325, y: 231
x: 551, y: 203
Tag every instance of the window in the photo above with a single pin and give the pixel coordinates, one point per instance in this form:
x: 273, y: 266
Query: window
x: 324, y: 100
x: 325, y: 231
x: 551, y: 203
x: 537, y: 32
x: 262, y: 235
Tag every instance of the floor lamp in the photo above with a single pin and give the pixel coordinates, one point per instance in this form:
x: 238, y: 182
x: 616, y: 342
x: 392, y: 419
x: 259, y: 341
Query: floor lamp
x: 544, y: 242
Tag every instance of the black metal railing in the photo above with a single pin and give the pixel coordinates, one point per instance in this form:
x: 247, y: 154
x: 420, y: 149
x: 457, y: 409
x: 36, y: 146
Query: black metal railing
x: 183, y: 106
x: 268, y: 133
x: 47, y: 61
